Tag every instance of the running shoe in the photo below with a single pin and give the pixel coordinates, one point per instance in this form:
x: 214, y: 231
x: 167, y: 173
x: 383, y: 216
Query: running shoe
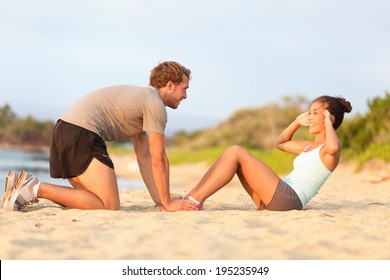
x: 23, y: 195
x: 9, y: 186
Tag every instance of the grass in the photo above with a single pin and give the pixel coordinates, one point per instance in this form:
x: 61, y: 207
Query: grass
x: 379, y: 151
x: 119, y: 148
x: 278, y: 161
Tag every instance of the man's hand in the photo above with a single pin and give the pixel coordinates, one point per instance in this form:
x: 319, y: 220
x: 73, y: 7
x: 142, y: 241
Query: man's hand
x: 179, y: 205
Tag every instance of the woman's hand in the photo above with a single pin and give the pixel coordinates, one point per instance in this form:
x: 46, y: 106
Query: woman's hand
x: 303, y: 119
x: 328, y: 117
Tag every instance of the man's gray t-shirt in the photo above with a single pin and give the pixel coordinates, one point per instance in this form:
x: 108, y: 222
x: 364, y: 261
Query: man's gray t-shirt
x: 119, y: 112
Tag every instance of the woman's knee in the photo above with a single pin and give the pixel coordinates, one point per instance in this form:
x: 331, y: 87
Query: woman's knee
x: 234, y: 151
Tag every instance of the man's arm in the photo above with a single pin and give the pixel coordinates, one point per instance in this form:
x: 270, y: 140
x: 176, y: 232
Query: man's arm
x: 160, y: 170
x: 141, y: 149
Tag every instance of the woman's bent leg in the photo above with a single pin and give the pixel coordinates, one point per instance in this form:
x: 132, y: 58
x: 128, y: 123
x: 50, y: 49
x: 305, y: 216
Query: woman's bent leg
x: 258, y: 179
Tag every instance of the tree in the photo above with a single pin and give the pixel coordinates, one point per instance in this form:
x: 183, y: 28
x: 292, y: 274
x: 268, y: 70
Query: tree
x: 27, y: 131
x: 6, y: 116
x: 250, y: 127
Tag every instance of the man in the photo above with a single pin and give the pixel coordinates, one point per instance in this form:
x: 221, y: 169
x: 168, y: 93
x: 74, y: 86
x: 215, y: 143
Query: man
x: 78, y: 151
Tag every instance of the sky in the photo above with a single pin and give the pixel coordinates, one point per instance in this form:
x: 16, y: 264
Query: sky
x: 242, y: 53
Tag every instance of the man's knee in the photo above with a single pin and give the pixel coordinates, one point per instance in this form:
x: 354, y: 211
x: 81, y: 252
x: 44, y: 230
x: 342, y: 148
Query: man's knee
x: 111, y: 204
x: 113, y: 207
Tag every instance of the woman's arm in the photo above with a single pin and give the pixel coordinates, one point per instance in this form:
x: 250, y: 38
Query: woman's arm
x: 284, y: 141
x: 331, y: 152
x: 333, y: 143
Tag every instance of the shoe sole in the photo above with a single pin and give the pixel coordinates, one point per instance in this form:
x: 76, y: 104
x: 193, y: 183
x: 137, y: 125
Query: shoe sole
x: 15, y: 193
x: 8, y: 188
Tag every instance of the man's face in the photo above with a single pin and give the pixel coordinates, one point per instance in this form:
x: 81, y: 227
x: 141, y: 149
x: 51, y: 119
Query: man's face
x: 176, y: 93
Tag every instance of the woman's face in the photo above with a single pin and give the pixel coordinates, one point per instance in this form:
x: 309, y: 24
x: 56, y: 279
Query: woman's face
x: 316, y: 117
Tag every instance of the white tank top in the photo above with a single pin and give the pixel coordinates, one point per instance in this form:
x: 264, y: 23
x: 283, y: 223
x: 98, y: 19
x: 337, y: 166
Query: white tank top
x: 309, y: 174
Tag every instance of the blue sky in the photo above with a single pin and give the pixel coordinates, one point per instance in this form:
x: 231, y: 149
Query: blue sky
x: 242, y: 53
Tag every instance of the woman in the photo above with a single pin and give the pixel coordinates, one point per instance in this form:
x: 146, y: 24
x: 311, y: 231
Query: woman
x: 315, y: 162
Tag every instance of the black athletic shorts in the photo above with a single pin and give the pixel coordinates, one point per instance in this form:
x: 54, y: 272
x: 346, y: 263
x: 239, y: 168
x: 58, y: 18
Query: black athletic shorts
x: 284, y: 199
x: 72, y: 149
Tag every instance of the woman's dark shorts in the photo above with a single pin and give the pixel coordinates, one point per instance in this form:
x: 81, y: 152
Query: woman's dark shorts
x: 284, y: 199
x: 72, y: 149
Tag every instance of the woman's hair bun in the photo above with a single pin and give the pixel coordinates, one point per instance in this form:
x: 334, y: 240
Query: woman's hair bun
x: 345, y: 103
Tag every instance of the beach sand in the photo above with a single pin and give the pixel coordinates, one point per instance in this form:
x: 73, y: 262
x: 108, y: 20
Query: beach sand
x: 349, y: 219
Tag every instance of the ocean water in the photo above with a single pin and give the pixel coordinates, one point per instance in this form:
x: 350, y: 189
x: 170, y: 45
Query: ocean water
x: 37, y: 163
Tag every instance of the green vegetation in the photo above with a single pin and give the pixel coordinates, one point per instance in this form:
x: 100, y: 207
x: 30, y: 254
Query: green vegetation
x: 253, y: 128
x: 364, y: 137
x: 27, y: 131
x: 119, y: 148
x: 368, y: 137
x: 278, y: 161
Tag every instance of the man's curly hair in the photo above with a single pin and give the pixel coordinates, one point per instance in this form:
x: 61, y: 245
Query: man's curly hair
x: 168, y: 71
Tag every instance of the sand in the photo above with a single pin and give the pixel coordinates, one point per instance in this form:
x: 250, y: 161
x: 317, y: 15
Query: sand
x: 349, y: 219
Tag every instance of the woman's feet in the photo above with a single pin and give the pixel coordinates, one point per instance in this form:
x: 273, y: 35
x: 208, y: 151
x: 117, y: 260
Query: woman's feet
x: 199, y: 205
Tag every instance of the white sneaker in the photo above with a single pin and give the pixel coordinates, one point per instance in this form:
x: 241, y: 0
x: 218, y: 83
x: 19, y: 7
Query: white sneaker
x: 23, y: 195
